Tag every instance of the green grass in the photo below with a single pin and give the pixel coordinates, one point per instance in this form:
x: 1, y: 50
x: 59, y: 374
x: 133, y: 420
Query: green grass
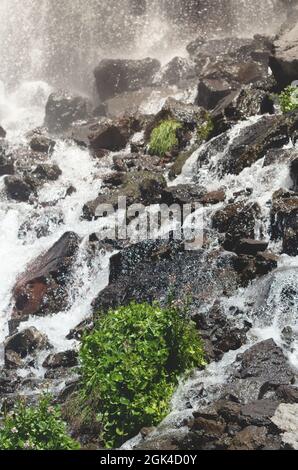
x: 164, y: 138
x: 131, y: 364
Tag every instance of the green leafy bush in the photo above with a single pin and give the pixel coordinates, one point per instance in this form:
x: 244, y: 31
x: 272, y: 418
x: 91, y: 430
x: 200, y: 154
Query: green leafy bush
x: 164, y: 137
x: 288, y: 99
x: 206, y: 129
x: 131, y: 364
x: 35, y: 427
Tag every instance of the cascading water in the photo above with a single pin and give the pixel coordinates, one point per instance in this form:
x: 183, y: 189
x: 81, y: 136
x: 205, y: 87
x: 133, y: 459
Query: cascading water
x: 50, y: 43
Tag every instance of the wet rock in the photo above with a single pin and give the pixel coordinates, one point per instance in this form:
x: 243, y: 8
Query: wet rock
x: 250, y: 438
x: 26, y: 342
x: 237, y: 221
x: 138, y: 187
x: 218, y: 334
x: 63, y: 109
x: 284, y: 220
x: 47, y: 172
x: 42, y: 143
x: 258, y: 413
x: 112, y: 135
x: 18, y: 188
x: 2, y: 133
x: 283, y: 61
x: 265, y: 362
x: 286, y: 419
x: 116, y: 76
x: 136, y: 162
x: 287, y: 394
x: 177, y: 166
x: 147, y: 270
x: 176, y: 72
x: 42, y: 289
x: 62, y: 359
x: 9, y: 381
x: 247, y: 246
x: 13, y: 360
x: 183, y: 194
x: 6, y: 162
x: 239, y: 105
x: 231, y: 51
x: 254, y: 141
x: 213, y: 197
x: 279, y: 156
x: 294, y: 173
x: 82, y: 328
x: 211, y: 91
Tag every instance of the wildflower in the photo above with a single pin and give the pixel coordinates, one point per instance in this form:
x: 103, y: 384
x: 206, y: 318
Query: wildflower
x: 14, y: 430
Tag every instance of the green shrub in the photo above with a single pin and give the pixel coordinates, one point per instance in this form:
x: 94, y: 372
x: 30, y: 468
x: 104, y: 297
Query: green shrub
x: 164, y: 137
x: 35, y: 427
x: 131, y: 364
x: 288, y: 99
x: 206, y: 129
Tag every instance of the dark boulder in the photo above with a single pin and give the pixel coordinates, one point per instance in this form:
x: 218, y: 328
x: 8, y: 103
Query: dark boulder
x: 42, y: 143
x: 237, y: 221
x: 284, y: 220
x: 63, y: 109
x: 255, y: 140
x: 250, y: 438
x: 266, y: 363
x: 211, y: 91
x: 6, y: 161
x: 47, y: 172
x: 247, y: 246
x: 42, y: 289
x: 176, y: 72
x: 63, y: 359
x: 241, y: 104
x: 2, y: 133
x: 149, y: 270
x: 26, y: 342
x: 19, y: 188
x: 284, y: 60
x: 116, y: 76
x: 137, y: 186
x: 183, y: 194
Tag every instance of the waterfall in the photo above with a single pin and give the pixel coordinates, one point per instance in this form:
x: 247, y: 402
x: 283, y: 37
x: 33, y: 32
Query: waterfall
x: 61, y: 42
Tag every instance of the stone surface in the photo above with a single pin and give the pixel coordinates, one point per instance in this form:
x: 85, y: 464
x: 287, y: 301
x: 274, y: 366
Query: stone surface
x: 286, y: 419
x: 42, y: 288
x: 116, y: 76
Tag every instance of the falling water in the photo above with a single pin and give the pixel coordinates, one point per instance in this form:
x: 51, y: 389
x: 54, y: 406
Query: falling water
x: 60, y: 42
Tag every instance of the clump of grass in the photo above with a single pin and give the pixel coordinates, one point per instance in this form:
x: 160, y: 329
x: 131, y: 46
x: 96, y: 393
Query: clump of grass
x: 131, y: 364
x: 206, y: 129
x: 288, y: 99
x: 164, y: 138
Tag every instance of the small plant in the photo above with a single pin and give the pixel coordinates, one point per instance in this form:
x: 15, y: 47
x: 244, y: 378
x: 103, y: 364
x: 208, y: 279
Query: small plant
x: 35, y: 428
x: 206, y: 129
x: 288, y: 99
x: 131, y: 364
x: 164, y: 137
